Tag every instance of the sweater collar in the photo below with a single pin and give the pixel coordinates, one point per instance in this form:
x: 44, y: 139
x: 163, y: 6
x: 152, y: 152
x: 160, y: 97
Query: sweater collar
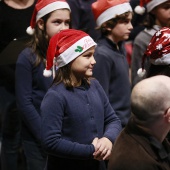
x: 107, y: 42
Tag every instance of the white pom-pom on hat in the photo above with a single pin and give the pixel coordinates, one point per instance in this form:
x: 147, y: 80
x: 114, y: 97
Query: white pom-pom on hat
x: 30, y: 30
x: 139, y: 10
x: 141, y: 72
x: 47, y: 73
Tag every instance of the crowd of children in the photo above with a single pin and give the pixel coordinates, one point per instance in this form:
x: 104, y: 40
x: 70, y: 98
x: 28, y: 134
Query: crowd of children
x: 76, y: 105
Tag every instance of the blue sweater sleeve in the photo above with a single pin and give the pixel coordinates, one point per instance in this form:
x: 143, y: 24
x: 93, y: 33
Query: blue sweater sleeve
x: 24, y: 93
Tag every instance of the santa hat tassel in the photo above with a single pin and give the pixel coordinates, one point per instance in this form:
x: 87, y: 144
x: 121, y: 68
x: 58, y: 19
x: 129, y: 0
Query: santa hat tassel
x: 141, y: 72
x: 140, y: 9
x: 51, y: 54
x: 47, y: 73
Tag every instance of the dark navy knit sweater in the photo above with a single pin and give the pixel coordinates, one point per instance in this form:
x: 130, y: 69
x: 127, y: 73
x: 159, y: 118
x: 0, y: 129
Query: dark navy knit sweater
x: 112, y: 71
x: 71, y: 119
x: 31, y: 87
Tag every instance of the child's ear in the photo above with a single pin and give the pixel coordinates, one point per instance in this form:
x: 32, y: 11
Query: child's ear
x: 40, y: 24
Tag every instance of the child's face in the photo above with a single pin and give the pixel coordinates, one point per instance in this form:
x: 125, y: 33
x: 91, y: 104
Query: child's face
x: 83, y: 65
x: 122, y: 30
x: 162, y: 14
x: 58, y: 20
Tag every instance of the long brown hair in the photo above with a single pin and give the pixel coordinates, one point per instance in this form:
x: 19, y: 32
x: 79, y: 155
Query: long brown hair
x: 63, y: 75
x: 39, y: 41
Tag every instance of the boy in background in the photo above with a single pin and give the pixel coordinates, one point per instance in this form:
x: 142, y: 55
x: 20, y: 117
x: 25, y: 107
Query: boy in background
x: 113, y: 18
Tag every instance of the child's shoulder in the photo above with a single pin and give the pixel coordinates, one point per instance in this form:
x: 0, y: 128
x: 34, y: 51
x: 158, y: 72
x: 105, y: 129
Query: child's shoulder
x: 26, y: 55
x: 94, y: 82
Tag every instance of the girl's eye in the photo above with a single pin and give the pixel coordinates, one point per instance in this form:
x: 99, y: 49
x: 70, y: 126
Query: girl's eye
x: 88, y: 55
x: 67, y: 22
x: 57, y: 21
x: 127, y: 21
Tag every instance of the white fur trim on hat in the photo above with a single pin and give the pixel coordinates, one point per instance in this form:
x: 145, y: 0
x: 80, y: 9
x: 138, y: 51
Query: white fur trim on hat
x: 141, y: 72
x: 139, y: 10
x: 112, y: 12
x: 47, y: 73
x: 152, y: 4
x: 51, y: 7
x: 30, y: 30
x: 70, y: 54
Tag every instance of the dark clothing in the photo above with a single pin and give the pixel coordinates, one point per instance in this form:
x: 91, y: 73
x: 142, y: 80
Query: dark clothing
x: 12, y: 26
x: 12, y: 23
x: 71, y: 119
x: 31, y: 87
x: 111, y: 70
x: 11, y: 149
x: 134, y: 149
x: 137, y: 21
x: 35, y: 155
x: 82, y: 17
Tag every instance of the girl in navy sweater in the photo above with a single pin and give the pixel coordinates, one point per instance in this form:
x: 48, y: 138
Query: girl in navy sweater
x: 49, y: 18
x: 79, y: 125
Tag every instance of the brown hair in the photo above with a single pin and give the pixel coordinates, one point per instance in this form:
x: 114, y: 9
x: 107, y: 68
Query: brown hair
x: 158, y: 70
x: 112, y: 23
x: 63, y: 75
x: 149, y: 21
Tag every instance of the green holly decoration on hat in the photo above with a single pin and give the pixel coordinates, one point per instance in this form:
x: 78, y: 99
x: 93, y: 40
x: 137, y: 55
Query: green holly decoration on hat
x: 79, y: 49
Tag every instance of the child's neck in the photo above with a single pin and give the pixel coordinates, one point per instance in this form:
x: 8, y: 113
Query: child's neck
x: 19, y: 4
x: 76, y: 81
x: 110, y: 37
x: 77, y: 84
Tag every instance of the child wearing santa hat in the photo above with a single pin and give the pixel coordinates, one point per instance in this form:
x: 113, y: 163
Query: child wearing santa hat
x: 158, y: 52
x: 49, y: 17
x: 79, y: 125
x: 113, y: 18
x: 157, y: 16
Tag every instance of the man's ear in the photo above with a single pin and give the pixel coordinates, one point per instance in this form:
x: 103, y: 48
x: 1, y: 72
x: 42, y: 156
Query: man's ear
x: 167, y: 115
x: 40, y: 24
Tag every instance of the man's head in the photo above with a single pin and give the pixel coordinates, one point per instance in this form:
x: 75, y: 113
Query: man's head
x: 150, y: 101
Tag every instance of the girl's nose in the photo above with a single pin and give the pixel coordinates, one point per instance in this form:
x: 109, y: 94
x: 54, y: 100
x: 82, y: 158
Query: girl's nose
x: 64, y: 26
x: 93, y: 60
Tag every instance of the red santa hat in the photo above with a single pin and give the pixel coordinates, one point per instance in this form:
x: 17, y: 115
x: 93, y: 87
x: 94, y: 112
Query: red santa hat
x: 158, y: 50
x: 44, y: 7
x: 150, y: 4
x: 105, y: 10
x: 65, y: 46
